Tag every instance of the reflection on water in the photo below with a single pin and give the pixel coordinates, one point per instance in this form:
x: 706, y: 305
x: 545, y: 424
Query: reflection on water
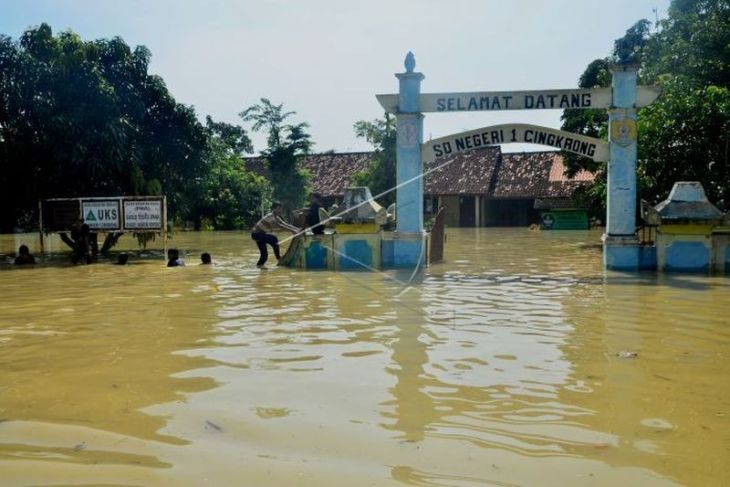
x: 518, y: 361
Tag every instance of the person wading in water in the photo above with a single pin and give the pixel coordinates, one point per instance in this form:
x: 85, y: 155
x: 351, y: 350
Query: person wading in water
x: 262, y: 232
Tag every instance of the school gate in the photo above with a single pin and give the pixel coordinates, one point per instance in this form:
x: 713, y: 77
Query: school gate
x: 621, y: 249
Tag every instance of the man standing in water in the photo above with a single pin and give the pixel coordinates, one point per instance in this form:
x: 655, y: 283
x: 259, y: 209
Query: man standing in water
x: 313, y: 216
x: 262, y: 232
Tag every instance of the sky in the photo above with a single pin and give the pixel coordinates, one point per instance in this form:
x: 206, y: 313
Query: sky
x: 326, y: 59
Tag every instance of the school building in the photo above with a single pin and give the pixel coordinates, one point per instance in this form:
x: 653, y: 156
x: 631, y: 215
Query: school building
x: 484, y: 187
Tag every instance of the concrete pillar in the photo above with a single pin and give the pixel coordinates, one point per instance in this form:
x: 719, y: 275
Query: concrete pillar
x: 620, y: 245
x: 409, y: 123
x: 477, y: 211
x: 409, y: 237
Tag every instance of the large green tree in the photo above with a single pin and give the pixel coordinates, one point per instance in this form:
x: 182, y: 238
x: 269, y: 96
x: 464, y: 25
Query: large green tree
x: 685, y: 133
x: 380, y: 176
x: 286, y: 145
x: 85, y: 118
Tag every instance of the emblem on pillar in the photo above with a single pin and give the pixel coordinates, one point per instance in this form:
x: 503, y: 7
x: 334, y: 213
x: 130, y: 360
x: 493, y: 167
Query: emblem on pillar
x: 408, y: 134
x: 623, y: 127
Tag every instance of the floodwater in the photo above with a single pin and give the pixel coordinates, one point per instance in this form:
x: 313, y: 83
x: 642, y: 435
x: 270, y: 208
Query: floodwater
x: 517, y: 361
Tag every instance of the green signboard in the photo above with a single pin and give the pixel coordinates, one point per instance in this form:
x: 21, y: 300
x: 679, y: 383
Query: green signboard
x: 564, y: 220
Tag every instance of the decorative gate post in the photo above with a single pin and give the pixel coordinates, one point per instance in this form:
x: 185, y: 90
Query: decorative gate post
x: 409, y: 239
x: 620, y: 245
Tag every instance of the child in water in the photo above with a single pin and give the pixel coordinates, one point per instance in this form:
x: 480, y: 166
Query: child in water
x: 24, y: 256
x: 205, y: 258
x: 173, y: 258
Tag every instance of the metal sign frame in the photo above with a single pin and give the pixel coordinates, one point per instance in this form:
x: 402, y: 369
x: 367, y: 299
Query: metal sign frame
x: 121, y: 227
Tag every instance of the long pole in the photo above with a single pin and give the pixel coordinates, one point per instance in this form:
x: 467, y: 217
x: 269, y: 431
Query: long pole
x: 164, y: 226
x: 40, y: 224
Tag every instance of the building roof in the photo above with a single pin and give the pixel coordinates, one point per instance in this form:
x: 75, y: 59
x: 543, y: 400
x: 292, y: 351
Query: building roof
x: 464, y: 173
x: 331, y: 172
x: 525, y: 175
x: 486, y: 171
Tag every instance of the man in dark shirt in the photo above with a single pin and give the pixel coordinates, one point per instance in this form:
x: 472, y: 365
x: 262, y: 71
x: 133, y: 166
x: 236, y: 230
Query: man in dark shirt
x: 313, y: 215
x: 78, y: 238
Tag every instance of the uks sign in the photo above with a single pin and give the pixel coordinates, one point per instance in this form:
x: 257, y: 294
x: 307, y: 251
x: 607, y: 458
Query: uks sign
x: 101, y: 214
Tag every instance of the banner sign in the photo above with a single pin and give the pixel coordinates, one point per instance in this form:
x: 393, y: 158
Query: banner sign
x: 101, y: 214
x: 118, y: 214
x: 595, y: 149
x: 143, y: 214
x: 581, y: 98
x: 60, y: 215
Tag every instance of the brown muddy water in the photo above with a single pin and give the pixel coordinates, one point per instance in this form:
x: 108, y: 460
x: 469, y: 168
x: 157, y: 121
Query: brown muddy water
x: 517, y: 361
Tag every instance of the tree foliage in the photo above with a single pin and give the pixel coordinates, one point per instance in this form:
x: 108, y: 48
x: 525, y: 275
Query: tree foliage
x: 380, y: 176
x: 85, y: 118
x: 230, y: 197
x: 685, y: 133
x: 226, y: 196
x: 286, y: 145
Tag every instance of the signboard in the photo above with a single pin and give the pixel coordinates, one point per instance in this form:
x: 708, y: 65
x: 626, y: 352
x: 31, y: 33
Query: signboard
x: 564, y: 220
x: 60, y: 215
x: 143, y: 214
x: 581, y: 98
x: 595, y: 149
x: 101, y: 214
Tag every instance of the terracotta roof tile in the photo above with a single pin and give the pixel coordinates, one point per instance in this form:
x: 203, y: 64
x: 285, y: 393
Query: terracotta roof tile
x: 557, y: 172
x: 485, y: 171
x: 465, y: 173
x: 331, y: 172
x: 536, y: 175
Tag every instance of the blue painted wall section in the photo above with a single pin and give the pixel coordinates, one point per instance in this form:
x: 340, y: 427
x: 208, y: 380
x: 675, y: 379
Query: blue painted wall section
x: 387, y: 252
x: 620, y: 257
x: 316, y: 256
x: 647, y: 258
x: 687, y: 257
x: 403, y: 251
x: 408, y: 254
x: 620, y: 246
x: 356, y: 254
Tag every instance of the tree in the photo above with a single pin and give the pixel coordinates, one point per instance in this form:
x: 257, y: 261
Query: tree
x: 591, y: 122
x: 227, y: 196
x: 233, y: 137
x: 685, y: 133
x: 84, y: 118
x: 629, y: 48
x: 286, y: 145
x: 231, y: 196
x: 380, y: 176
x: 692, y: 42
